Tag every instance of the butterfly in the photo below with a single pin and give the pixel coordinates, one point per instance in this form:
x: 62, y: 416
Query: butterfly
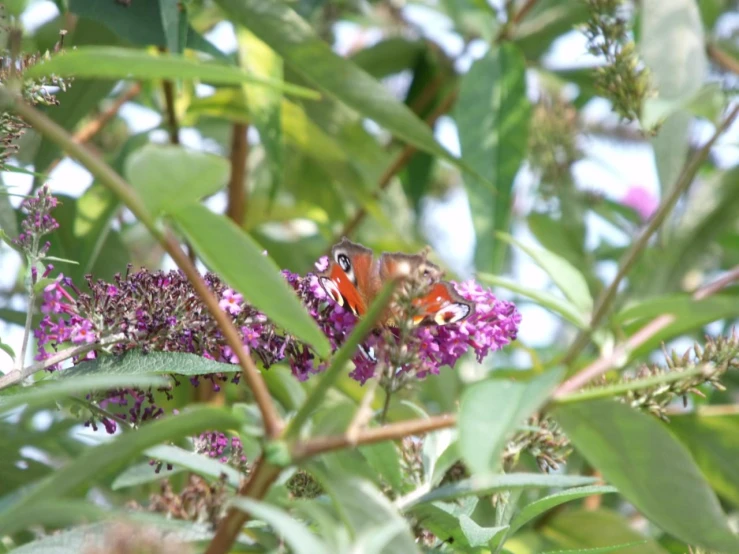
x: 354, y: 278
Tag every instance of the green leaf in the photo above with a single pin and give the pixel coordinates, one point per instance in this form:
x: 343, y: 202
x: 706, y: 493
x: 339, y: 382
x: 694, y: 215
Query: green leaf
x: 542, y: 298
x: 650, y: 468
x: 538, y: 507
x: 490, y: 411
x: 174, y: 21
x: 296, y: 535
x: 477, y: 535
x: 8, y: 221
x: 110, y: 62
x: 389, y: 56
x: 136, y: 362
x: 7, y: 349
x: 363, y: 507
x: 385, y: 460
x: 443, y: 519
x: 711, y: 440
x: 169, y: 177
x: 493, y: 117
x: 228, y: 251
x: 566, y: 276
x: 264, y: 104
x: 482, y: 485
x: 194, y: 462
x: 141, y: 23
x: 585, y: 529
x: 601, y: 550
x: 673, y: 48
x: 141, y: 474
x: 297, y: 43
x: 51, y: 390
x: 98, y: 461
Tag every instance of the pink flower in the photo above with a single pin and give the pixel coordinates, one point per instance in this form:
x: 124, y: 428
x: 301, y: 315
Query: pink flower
x: 641, y: 200
x: 231, y: 302
x: 82, y: 332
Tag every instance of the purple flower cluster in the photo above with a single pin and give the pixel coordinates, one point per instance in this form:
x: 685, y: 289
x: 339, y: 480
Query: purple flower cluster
x: 37, y: 223
x: 160, y: 311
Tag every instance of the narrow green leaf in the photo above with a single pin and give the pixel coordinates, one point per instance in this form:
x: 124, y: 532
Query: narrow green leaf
x: 673, y: 48
x: 482, y: 485
x: 110, y: 62
x: 136, y: 362
x: 51, y: 390
x: 238, y: 259
x: 489, y: 412
x: 8, y: 221
x: 543, y: 298
x: 493, y: 117
x: 138, y: 23
x: 296, y: 42
x: 196, y: 463
x: 141, y: 474
x: 296, y: 535
x: 98, y: 461
x: 477, y: 535
x: 55, y: 513
x: 566, y: 276
x: 600, y: 550
x: 581, y: 528
x: 538, y: 507
x: 711, y: 440
x: 650, y: 468
x: 169, y: 177
x: 265, y: 109
x: 174, y: 21
x: 7, y: 349
x: 363, y: 507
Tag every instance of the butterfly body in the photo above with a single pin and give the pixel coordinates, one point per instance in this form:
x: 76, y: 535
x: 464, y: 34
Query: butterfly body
x: 355, y: 277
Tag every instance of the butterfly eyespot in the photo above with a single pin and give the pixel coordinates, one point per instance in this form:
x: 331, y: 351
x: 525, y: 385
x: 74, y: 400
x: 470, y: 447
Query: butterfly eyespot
x: 344, y: 262
x: 332, y: 290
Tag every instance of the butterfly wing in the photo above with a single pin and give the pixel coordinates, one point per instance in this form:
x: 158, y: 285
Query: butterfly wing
x: 442, y: 305
x: 348, y: 278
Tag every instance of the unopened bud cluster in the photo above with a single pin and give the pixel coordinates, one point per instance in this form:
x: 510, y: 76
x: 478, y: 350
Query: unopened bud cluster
x: 623, y: 79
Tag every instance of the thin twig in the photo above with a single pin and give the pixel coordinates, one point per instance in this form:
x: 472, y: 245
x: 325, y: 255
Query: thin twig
x: 619, y: 355
x: 236, y: 209
x: 92, y: 128
x: 108, y: 177
x: 506, y: 32
x: 604, y: 302
x: 18, y: 375
x: 398, y: 164
x: 172, y: 123
x: 722, y: 58
x: 18, y: 366
x: 394, y: 431
x: 263, y: 474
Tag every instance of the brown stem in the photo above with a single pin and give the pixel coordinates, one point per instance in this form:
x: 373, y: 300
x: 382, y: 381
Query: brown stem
x: 320, y: 445
x: 506, y: 32
x: 172, y: 123
x: 398, y: 164
x: 605, y: 363
x: 236, y: 209
x: 92, y: 128
x: 262, y: 476
x: 722, y: 58
x: 603, y: 304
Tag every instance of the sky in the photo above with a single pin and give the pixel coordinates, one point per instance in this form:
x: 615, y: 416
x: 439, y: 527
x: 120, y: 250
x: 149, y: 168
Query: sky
x: 607, y: 167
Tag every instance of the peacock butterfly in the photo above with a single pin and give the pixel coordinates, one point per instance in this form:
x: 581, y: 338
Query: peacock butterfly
x: 354, y: 278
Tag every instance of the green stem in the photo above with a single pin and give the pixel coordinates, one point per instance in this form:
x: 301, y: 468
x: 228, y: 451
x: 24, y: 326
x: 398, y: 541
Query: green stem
x: 341, y: 358
x: 622, y: 388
